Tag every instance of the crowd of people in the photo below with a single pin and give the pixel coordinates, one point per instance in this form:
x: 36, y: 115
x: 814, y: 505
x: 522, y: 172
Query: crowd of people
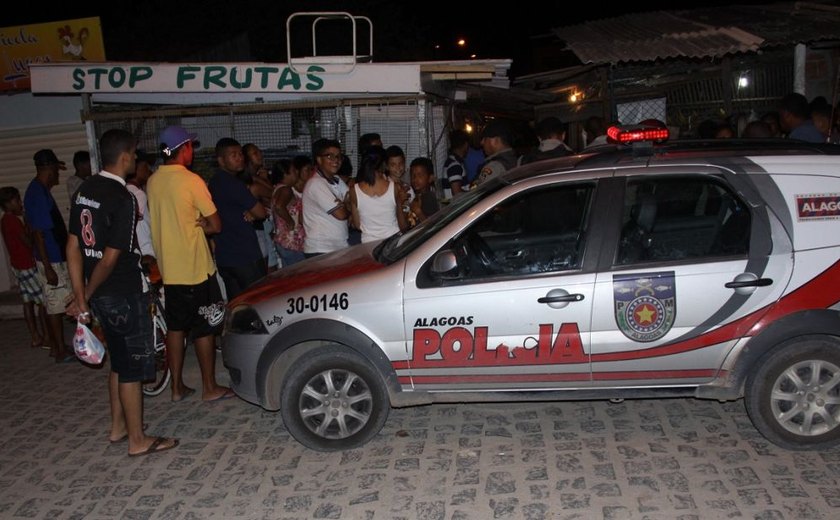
x: 796, y: 118
x: 210, y: 240
x: 207, y: 240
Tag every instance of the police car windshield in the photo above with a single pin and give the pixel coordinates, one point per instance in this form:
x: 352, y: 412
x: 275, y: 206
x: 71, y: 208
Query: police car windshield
x: 401, y: 244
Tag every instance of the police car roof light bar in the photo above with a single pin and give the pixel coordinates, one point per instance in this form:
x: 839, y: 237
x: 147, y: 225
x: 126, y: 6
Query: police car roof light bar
x: 627, y: 135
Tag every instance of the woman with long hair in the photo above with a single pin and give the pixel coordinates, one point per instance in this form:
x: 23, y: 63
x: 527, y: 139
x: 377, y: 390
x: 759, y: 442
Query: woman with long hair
x: 376, y: 201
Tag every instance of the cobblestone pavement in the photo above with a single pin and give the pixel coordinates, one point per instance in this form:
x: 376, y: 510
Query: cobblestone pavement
x: 657, y: 459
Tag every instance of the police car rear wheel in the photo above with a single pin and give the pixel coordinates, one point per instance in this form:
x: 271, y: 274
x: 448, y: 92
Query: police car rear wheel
x: 334, y: 400
x: 793, y: 398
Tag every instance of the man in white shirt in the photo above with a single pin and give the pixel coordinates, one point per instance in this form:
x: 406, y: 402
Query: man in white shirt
x: 136, y: 184
x: 325, y: 209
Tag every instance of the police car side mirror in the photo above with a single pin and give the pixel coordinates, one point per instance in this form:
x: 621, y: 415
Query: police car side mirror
x: 445, y: 265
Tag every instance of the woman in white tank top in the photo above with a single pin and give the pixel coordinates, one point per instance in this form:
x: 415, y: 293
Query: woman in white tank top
x: 376, y: 202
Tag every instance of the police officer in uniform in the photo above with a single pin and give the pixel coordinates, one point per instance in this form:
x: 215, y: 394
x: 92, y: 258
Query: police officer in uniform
x: 496, y: 143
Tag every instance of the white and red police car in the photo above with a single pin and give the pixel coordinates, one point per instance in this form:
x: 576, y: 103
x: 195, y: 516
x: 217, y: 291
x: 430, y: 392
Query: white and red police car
x: 704, y: 269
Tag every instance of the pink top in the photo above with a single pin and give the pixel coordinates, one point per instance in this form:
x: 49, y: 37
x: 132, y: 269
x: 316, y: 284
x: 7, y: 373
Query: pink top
x: 291, y: 239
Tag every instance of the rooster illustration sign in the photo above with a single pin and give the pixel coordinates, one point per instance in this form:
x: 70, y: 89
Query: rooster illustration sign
x: 72, y: 45
x: 76, y: 40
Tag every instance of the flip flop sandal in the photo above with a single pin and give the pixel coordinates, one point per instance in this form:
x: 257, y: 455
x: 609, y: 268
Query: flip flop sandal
x: 155, y: 447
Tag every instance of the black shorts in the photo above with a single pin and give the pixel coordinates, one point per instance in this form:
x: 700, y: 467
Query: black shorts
x: 198, y: 309
x: 127, y: 324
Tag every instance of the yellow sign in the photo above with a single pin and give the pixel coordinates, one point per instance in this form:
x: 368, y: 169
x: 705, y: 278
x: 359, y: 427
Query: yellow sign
x: 68, y: 40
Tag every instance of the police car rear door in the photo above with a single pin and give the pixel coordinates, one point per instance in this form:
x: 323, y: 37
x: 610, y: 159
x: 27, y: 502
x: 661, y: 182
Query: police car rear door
x: 696, y: 260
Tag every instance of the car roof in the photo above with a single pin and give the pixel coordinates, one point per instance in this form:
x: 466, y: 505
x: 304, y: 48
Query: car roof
x: 613, y: 155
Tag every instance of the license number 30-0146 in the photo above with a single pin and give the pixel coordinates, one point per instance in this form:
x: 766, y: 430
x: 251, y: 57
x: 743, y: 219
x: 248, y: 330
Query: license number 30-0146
x: 317, y: 303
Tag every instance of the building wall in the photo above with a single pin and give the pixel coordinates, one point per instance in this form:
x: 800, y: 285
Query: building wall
x: 27, y: 124
x: 821, y: 74
x: 24, y: 110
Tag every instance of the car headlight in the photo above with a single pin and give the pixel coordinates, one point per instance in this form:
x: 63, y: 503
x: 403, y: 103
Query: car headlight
x: 243, y: 319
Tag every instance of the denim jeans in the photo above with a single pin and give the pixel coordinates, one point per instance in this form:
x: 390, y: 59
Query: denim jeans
x: 127, y: 323
x: 287, y: 256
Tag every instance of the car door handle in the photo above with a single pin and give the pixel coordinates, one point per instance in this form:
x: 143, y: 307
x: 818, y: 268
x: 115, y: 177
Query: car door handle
x: 561, y: 299
x: 759, y: 282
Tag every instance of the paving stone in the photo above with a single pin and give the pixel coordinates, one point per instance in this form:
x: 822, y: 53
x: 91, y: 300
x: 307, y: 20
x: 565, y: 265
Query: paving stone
x: 500, y: 482
x: 467, y: 476
x: 535, y: 511
x: 504, y: 508
x: 537, y: 473
x: 465, y: 496
x: 365, y: 498
x: 430, y: 510
x: 574, y: 500
x: 327, y: 511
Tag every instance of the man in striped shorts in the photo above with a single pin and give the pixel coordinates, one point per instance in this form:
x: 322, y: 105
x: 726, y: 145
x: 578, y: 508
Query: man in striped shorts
x: 19, y: 244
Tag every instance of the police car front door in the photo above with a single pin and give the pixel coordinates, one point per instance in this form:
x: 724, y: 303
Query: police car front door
x: 516, y: 315
x: 693, y: 265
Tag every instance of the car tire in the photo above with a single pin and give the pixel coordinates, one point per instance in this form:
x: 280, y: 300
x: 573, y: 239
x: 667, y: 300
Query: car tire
x: 351, y: 416
x: 793, y: 395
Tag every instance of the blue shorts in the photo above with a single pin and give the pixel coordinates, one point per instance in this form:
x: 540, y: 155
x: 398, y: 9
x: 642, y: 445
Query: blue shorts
x: 127, y: 323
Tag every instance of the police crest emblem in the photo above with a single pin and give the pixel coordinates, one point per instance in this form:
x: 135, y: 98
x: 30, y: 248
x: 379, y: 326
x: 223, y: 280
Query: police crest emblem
x: 645, y: 304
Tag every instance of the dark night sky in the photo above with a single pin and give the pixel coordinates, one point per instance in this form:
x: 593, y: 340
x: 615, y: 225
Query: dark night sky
x: 403, y: 31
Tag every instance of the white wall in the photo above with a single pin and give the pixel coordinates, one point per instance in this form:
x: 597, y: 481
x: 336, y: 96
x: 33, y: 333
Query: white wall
x: 24, y: 110
x: 28, y: 123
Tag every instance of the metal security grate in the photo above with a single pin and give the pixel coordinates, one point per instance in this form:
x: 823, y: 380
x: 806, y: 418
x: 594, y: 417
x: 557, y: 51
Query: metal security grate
x: 284, y: 130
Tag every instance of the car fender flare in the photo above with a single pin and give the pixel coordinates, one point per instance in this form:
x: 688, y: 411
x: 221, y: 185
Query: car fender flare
x: 803, y: 323
x: 298, y: 338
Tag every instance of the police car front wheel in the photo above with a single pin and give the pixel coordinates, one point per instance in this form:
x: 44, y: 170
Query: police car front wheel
x: 793, y: 398
x: 333, y: 399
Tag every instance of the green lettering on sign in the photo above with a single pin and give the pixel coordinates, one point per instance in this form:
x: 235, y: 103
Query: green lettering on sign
x: 138, y: 74
x: 97, y: 74
x: 245, y: 83
x: 188, y: 78
x: 214, y: 74
x: 186, y: 73
x: 78, y: 79
x: 315, y: 82
x: 116, y: 77
x: 264, y: 73
x: 288, y: 78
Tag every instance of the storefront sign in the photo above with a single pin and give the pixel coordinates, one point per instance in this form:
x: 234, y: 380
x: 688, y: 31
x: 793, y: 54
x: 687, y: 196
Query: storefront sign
x: 24, y: 45
x: 223, y: 77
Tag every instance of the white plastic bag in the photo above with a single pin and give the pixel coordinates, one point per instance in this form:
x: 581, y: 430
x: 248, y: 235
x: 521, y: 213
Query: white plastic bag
x: 87, y: 346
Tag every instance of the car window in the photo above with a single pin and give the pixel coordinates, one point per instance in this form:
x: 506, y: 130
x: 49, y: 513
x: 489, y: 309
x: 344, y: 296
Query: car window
x: 681, y: 218
x: 538, y: 231
x: 401, y: 244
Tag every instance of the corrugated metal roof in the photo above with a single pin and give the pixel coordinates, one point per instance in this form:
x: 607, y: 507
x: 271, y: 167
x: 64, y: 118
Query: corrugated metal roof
x: 700, y: 33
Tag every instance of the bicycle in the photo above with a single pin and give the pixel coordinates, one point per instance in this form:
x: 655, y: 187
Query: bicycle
x: 156, y: 386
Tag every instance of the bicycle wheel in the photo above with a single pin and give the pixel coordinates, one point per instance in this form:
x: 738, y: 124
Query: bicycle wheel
x: 162, y: 374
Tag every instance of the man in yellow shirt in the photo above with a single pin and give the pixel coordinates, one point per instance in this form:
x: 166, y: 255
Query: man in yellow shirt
x: 181, y: 213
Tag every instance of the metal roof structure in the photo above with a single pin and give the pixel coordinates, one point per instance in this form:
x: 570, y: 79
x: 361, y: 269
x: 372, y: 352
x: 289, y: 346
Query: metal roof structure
x: 701, y: 33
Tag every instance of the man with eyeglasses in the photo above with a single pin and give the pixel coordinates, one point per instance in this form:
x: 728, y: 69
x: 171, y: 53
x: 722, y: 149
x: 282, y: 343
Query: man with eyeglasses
x: 324, y: 202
